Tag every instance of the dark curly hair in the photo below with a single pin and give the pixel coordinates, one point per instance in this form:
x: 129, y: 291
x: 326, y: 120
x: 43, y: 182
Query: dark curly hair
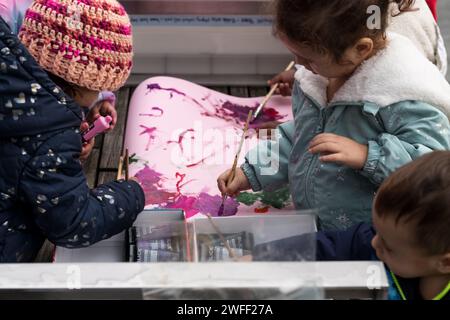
x: 332, y: 25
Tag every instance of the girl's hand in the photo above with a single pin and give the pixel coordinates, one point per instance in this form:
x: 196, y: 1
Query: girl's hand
x: 87, y: 146
x: 248, y: 258
x: 239, y: 183
x: 286, y: 82
x: 342, y: 150
x: 104, y: 108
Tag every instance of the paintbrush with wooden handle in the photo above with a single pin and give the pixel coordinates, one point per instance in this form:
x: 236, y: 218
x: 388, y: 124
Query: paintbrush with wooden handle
x: 271, y: 92
x: 127, y: 165
x: 120, y: 168
x: 222, y: 238
x: 236, y: 158
x: 124, y: 164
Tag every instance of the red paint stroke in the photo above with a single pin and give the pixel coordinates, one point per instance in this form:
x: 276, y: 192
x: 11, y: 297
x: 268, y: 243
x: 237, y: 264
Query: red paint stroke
x: 187, y: 204
x: 199, y: 162
x: 149, y: 131
x: 181, y: 138
x: 159, y: 110
x: 262, y: 210
x: 180, y: 178
x: 211, y: 204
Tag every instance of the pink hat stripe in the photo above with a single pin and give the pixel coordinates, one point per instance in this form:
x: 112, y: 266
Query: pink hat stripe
x: 119, y: 9
x: 95, y: 54
x: 105, y: 6
x: 94, y: 42
x: 85, y: 19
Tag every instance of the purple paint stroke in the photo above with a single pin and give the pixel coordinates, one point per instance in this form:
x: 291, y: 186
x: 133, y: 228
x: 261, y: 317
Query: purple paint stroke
x: 151, y: 182
x: 187, y: 204
x: 211, y: 204
x: 161, y: 112
x: 155, y: 194
x: 156, y: 86
x: 149, y: 131
x: 239, y: 113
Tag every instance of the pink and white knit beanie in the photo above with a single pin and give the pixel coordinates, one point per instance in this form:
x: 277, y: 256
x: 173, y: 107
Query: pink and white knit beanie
x: 85, y: 42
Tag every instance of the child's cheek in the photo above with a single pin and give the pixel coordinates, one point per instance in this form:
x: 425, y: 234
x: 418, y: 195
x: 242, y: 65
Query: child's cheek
x: 379, y: 251
x: 380, y: 255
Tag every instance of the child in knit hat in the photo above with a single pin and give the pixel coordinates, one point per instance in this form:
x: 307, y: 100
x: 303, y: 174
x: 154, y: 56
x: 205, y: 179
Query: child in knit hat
x: 59, y: 33
x: 85, y: 47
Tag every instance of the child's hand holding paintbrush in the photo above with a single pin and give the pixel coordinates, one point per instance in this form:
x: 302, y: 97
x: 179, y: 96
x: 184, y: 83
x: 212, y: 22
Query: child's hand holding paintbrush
x: 232, y: 187
x: 233, y: 181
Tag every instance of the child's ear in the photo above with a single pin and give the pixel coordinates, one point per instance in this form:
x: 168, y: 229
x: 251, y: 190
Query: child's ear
x: 444, y: 264
x: 361, y: 51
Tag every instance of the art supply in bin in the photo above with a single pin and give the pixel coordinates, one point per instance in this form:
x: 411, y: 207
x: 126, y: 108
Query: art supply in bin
x: 143, y: 247
x: 148, y: 255
x: 212, y: 248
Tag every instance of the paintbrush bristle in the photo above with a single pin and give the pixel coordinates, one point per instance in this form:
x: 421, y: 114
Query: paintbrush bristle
x: 222, y: 206
x: 221, y: 210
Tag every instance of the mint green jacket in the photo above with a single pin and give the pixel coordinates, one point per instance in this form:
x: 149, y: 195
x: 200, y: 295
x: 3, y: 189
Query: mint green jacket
x: 399, y: 119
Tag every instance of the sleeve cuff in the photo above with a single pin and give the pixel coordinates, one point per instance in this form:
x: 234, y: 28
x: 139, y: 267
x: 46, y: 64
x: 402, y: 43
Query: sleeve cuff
x: 373, y: 158
x: 249, y: 172
x: 140, y: 195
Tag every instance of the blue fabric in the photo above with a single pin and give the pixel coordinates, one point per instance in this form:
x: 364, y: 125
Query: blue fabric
x: 351, y: 244
x: 43, y: 191
x: 395, y: 135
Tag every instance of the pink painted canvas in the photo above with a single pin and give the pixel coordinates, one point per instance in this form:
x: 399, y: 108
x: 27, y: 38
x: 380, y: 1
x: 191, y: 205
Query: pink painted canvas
x: 182, y: 136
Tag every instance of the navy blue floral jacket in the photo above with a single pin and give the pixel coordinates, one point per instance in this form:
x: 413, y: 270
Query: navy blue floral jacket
x: 43, y: 191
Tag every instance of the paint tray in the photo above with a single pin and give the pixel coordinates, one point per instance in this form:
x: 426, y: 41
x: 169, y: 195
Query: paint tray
x: 250, y: 235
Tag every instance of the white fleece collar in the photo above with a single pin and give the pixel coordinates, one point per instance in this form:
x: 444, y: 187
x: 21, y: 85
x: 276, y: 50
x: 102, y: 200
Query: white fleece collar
x: 397, y: 73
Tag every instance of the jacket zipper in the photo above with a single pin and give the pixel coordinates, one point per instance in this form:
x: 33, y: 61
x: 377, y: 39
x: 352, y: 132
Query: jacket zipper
x: 315, y: 157
x: 313, y: 161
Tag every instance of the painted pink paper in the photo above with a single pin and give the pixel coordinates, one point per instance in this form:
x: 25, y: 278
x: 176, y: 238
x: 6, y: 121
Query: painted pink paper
x: 176, y: 132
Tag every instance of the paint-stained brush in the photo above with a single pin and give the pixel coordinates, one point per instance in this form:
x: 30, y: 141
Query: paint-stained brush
x: 222, y: 238
x: 120, y: 168
x: 236, y: 158
x: 124, y: 164
x: 127, y: 165
x: 271, y: 92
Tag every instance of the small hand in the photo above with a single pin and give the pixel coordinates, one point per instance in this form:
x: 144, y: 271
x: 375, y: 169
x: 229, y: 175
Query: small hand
x: 87, y: 146
x: 104, y: 108
x: 232, y: 188
x: 338, y: 149
x: 248, y: 258
x: 285, y: 80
